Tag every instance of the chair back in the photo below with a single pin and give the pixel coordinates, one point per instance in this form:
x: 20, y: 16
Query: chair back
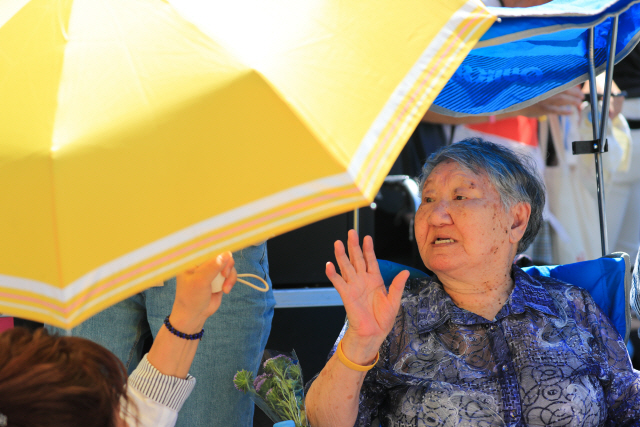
x: 608, y: 280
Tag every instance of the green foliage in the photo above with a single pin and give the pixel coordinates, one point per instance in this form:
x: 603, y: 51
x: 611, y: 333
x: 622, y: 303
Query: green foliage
x: 278, y: 389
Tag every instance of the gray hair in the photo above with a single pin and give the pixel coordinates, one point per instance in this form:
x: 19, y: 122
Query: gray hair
x: 514, y: 176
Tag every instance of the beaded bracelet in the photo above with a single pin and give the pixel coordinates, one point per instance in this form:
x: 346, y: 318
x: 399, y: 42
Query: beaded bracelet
x: 177, y: 333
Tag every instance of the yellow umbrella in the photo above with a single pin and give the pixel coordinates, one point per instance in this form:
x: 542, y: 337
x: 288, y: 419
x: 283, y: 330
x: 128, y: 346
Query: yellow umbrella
x: 138, y: 137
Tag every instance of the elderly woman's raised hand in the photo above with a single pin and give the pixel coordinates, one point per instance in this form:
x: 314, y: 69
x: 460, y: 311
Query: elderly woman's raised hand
x: 371, y: 310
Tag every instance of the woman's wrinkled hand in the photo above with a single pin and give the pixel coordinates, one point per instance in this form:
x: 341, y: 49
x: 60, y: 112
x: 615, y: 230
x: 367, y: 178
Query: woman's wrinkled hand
x: 371, y: 310
x: 562, y: 104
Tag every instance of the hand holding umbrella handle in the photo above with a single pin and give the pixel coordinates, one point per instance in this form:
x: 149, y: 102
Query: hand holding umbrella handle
x: 174, y: 348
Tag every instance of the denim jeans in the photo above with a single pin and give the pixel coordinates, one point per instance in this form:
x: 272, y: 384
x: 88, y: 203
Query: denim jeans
x: 234, y: 339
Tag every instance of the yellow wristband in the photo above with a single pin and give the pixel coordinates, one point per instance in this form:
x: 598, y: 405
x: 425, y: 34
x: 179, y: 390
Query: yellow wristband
x: 349, y: 364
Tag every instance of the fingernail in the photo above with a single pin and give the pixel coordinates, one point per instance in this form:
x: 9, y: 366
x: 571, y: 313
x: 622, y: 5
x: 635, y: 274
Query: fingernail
x: 223, y: 258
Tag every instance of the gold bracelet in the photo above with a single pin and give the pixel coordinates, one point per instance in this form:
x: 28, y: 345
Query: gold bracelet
x: 349, y: 364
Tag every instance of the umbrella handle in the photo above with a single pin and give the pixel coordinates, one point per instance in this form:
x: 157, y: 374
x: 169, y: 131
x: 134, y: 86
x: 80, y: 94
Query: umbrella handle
x: 216, y: 284
x: 266, y: 285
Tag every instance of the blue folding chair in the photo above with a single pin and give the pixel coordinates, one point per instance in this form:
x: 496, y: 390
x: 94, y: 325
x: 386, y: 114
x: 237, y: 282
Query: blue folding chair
x: 608, y: 280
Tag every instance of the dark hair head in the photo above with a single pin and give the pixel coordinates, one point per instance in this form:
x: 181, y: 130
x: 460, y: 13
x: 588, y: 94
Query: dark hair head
x: 58, y: 381
x: 514, y: 176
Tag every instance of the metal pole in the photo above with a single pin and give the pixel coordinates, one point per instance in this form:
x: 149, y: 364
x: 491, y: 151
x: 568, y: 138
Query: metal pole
x: 613, y: 37
x: 356, y: 221
x: 599, y: 134
x: 593, y: 95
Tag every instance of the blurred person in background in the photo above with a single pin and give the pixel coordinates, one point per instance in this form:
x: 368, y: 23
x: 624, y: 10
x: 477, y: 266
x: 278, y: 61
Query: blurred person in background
x: 623, y: 198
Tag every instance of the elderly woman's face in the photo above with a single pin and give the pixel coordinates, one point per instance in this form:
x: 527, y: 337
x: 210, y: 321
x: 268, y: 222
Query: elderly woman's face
x: 461, y: 224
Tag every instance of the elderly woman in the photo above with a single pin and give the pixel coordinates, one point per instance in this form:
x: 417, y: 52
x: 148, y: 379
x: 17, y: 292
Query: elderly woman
x: 481, y: 343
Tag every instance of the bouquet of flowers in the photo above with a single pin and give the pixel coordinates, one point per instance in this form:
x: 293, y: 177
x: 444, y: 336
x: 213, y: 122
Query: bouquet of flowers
x: 277, y: 389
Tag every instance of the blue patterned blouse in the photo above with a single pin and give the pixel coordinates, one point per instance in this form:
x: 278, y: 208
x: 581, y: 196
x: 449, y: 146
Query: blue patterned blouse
x: 550, y: 358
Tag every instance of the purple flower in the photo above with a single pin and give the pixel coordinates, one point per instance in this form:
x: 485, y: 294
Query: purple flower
x: 275, y: 359
x: 242, y: 380
x: 271, y: 397
x: 257, y: 383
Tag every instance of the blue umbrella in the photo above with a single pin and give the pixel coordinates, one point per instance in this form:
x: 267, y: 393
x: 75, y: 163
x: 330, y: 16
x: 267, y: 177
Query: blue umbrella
x: 532, y: 53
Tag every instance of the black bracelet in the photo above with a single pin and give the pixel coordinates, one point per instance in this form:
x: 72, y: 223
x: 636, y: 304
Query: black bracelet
x: 177, y: 333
